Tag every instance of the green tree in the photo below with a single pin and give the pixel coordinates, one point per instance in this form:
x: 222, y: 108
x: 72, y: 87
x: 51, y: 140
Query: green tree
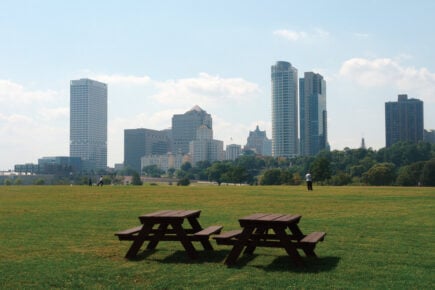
x: 380, y: 174
x: 136, y: 179
x: 152, y: 171
x: 183, y: 182
x: 286, y: 177
x: 235, y: 174
x: 320, y: 170
x: 39, y: 181
x: 410, y: 175
x: 428, y: 174
x: 216, y: 170
x: 271, y: 177
x: 341, y: 178
x: 171, y: 172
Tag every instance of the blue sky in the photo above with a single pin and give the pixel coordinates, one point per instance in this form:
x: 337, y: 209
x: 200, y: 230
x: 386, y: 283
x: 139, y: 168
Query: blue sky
x: 161, y: 58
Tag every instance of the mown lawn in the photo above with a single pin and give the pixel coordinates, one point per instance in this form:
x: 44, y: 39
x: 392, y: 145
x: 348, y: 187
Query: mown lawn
x: 63, y: 237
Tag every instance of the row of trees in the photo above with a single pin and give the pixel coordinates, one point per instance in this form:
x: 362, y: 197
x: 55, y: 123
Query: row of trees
x: 404, y: 164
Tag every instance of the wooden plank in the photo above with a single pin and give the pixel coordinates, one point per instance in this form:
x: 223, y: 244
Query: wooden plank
x: 314, y: 237
x: 228, y: 235
x: 156, y: 213
x: 254, y: 216
x: 209, y: 231
x: 289, y: 218
x: 187, y: 213
x: 172, y: 213
x: 129, y: 231
x: 270, y: 217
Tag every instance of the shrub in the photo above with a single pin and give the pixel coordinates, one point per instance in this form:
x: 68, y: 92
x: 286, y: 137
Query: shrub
x: 183, y: 182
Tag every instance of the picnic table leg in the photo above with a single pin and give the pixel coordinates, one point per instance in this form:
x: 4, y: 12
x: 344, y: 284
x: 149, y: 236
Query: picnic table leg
x: 297, y: 233
x: 239, y: 245
x: 309, y: 250
x: 187, y: 244
x: 196, y: 228
x: 288, y: 245
x: 138, y: 242
x: 252, y: 246
x: 159, y: 234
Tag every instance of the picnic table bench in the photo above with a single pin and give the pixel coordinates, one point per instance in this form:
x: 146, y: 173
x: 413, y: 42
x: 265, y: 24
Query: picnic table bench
x: 269, y: 230
x: 167, y: 225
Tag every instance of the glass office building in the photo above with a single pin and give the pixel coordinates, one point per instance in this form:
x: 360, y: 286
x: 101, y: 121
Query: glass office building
x: 313, y: 114
x: 184, y: 128
x: 88, y: 123
x: 404, y: 120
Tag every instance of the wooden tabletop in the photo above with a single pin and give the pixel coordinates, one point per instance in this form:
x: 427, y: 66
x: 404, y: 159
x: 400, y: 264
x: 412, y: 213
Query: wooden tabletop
x: 165, y: 215
x: 269, y: 218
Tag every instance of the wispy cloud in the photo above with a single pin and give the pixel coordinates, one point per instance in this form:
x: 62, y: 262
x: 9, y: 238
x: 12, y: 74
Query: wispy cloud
x: 54, y: 113
x: 11, y: 91
x: 418, y: 82
x: 361, y: 35
x: 292, y: 35
x: 123, y: 79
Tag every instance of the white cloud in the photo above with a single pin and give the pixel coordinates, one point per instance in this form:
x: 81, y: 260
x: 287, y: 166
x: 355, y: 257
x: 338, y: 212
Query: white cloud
x: 382, y: 72
x: 292, y: 35
x: 10, y: 91
x: 362, y: 35
x: 123, y: 79
x: 206, y: 89
x: 54, y: 113
x: 25, y: 139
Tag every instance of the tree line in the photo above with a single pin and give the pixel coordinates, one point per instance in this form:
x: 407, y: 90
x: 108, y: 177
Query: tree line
x: 403, y: 164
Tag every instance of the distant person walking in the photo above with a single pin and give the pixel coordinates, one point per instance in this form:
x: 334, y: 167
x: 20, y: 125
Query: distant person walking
x: 309, y: 181
x: 100, y: 182
x: 90, y: 182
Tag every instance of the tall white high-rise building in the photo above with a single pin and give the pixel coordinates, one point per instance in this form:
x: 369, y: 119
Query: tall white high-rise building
x: 284, y: 110
x: 88, y: 123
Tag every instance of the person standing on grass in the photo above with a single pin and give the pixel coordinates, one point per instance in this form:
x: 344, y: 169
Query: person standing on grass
x: 309, y: 181
x: 100, y: 183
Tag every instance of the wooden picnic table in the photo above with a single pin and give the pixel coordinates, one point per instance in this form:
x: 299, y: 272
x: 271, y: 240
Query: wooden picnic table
x: 269, y: 230
x: 167, y: 225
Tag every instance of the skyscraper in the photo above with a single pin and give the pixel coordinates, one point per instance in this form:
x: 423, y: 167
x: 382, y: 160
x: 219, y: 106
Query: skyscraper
x: 88, y: 123
x: 404, y: 120
x: 204, y: 147
x: 258, y: 142
x: 313, y: 116
x: 141, y: 142
x: 284, y: 110
x: 184, y: 128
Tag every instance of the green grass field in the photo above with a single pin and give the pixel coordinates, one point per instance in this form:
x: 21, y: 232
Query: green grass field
x: 63, y: 237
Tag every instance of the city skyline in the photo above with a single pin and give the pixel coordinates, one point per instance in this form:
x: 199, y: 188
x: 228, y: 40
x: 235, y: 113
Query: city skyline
x: 216, y: 55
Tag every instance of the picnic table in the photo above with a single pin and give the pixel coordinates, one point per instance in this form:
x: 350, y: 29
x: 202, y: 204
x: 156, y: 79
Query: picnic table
x: 269, y: 230
x: 167, y: 225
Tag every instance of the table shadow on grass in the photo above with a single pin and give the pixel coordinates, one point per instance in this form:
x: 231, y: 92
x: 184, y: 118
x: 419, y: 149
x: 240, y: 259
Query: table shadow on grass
x: 179, y: 257
x: 310, y: 265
